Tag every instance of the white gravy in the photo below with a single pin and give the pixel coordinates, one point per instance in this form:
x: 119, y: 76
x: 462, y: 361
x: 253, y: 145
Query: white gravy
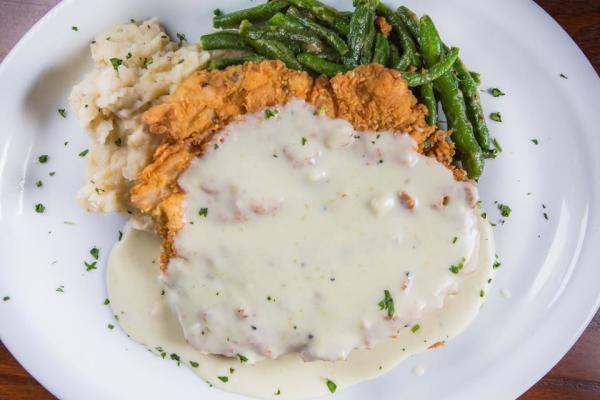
x: 285, y: 259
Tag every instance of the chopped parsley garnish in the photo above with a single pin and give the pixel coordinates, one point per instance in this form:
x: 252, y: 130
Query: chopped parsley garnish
x: 99, y: 191
x: 175, y: 357
x: 116, y: 62
x: 6, y: 298
x: 43, y: 158
x: 535, y: 141
x: 194, y: 364
x: 231, y: 370
x: 128, y: 56
x: 90, y: 266
x: 271, y: 113
x: 52, y: 173
x: 497, y: 263
x: 415, y: 328
x: 106, y: 301
x: 546, y: 216
x: 132, y: 20
x: 504, y: 210
x: 426, y: 144
x: 563, y: 76
x: 277, y: 393
x: 331, y: 385
x: 454, y: 239
x: 62, y: 112
x: 387, y: 303
x: 217, y: 12
x: 304, y: 140
x: 216, y: 146
x: 95, y: 252
x: 74, y: 28
x: 84, y: 153
x: 481, y: 293
x: 242, y: 358
x: 181, y: 38
x: 496, y: 116
x: 180, y: 61
x: 60, y: 289
x: 496, y: 92
x: 147, y: 61
x: 223, y: 379
x: 455, y: 269
x: 39, y: 184
x: 320, y: 112
x: 40, y: 208
x: 110, y: 326
x: 65, y: 143
x: 120, y: 235
x: 203, y: 212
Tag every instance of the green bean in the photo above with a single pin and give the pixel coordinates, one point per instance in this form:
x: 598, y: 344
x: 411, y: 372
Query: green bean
x: 220, y: 63
x: 358, y: 35
x: 329, y: 36
x: 394, y: 57
x: 327, y: 54
x: 476, y: 77
x: 223, y: 40
x: 453, y: 102
x: 280, y: 19
x: 381, y: 54
x: 473, y: 102
x: 272, y: 49
x: 427, y: 97
x: 321, y: 66
x: 326, y: 14
x: 284, y: 34
x: 260, y: 12
x: 366, y: 55
x: 406, y: 41
x: 443, y: 66
x: 410, y: 21
x: 404, y: 61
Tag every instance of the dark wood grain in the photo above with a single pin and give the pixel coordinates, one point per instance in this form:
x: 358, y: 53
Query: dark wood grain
x: 575, y: 377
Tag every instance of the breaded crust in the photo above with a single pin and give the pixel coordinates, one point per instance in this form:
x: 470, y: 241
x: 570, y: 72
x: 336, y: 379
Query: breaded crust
x: 370, y: 97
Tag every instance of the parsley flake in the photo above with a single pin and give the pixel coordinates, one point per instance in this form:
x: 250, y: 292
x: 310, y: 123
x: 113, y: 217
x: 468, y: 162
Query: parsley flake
x: 40, y: 208
x: 106, y: 301
x: 271, y: 113
x: 110, y: 326
x: 95, y: 252
x: 546, y: 216
x: 84, y: 153
x: 116, y: 62
x: 415, y: 328
x: 181, y: 38
x: 39, y: 184
x: 496, y: 92
x: 455, y: 269
x: 496, y: 116
x: 175, y: 357
x: 535, y: 141
x: 454, y: 239
x: 304, y: 140
x: 481, y: 293
x: 6, y: 298
x: 277, y: 393
x: 43, y: 158
x: 90, y: 266
x: 74, y: 28
x: 60, y: 289
x: 242, y: 358
x: 62, y: 112
x: 563, y: 76
x: 194, y: 364
x: 331, y: 385
x: 387, y: 303
x: 217, y: 12
x: 223, y: 379
x: 504, y: 210
x: 203, y: 212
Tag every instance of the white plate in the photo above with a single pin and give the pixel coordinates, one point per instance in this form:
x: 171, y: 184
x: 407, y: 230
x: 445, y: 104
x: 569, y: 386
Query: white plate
x: 550, y: 266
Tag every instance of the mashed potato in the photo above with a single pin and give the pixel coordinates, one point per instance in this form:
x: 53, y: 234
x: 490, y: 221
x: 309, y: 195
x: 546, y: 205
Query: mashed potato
x: 136, y: 66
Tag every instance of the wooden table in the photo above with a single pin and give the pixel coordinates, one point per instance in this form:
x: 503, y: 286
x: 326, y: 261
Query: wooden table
x: 576, y: 376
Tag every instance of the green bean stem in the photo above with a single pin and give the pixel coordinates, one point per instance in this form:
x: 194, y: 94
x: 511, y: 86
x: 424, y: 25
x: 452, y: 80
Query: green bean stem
x: 260, y: 12
x: 453, y: 102
x: 410, y: 21
x: 317, y: 64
